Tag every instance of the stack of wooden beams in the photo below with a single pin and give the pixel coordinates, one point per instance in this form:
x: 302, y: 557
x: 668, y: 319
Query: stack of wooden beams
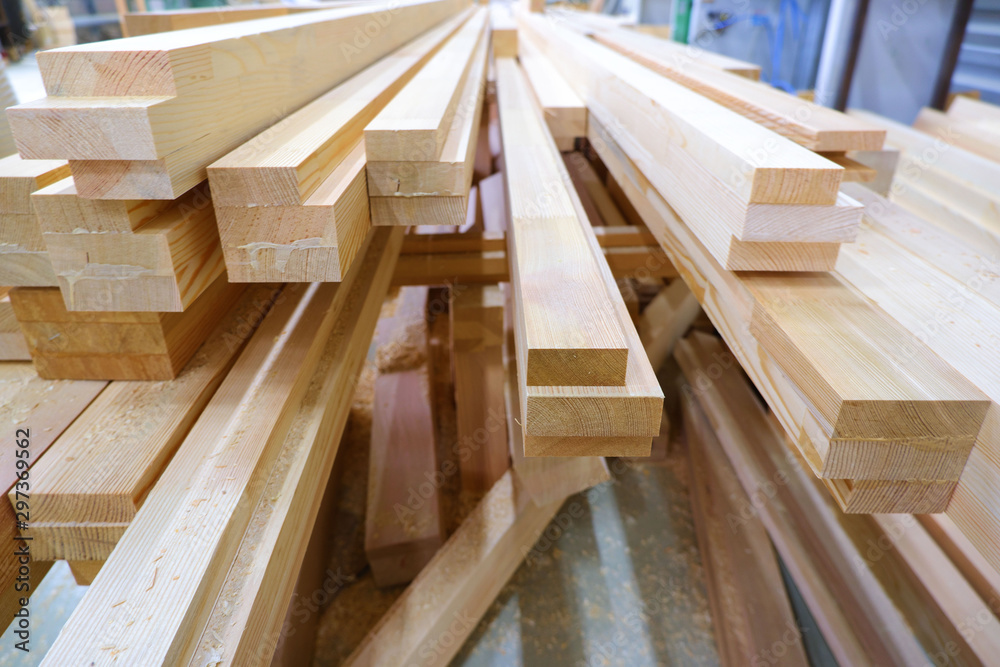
x: 583, y: 374
x: 761, y: 202
x: 422, y: 145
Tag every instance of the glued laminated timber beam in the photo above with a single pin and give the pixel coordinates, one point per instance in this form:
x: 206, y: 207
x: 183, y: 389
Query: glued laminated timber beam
x: 142, y: 117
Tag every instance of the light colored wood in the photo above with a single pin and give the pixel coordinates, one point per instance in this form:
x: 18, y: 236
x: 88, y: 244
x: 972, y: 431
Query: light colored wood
x: 146, y: 23
x: 729, y: 305
x: 977, y: 570
x: 116, y: 346
x: 179, y: 101
x: 423, y: 189
x: 317, y: 241
x: 104, y: 465
x: 867, y: 602
x: 477, y: 337
x: 746, y: 594
x: 665, y: 320
x: 457, y: 587
x: 130, y: 255
x: 565, y: 113
x: 933, y: 286
x: 811, y: 125
x: 875, y: 496
x: 726, y: 145
x: 981, y: 138
x: 631, y: 412
x: 570, y: 336
x: 403, y: 523
x: 546, y: 479
x: 716, y: 197
x: 414, y: 125
x: 842, y: 351
x: 951, y: 175
x: 247, y: 619
x: 161, y: 581
x: 13, y: 346
x: 964, y: 108
x: 671, y: 49
x: 45, y: 408
x: 25, y: 257
x: 503, y: 31
x: 958, y: 601
x: 290, y: 160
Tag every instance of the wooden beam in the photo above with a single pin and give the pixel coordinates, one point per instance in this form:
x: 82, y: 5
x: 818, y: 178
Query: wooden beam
x: 876, y: 268
x: 728, y: 303
x: 746, y: 594
x: 247, y: 619
x: 142, y: 255
x: 811, y: 125
x: 403, y: 523
x: 842, y: 351
x: 747, y: 226
x: 146, y: 23
x: 25, y: 257
x: 981, y: 138
x: 44, y: 408
x: 854, y: 171
x: 456, y: 588
x: 953, y: 176
x: 289, y: 161
x: 85, y: 495
x: 172, y: 561
x: 585, y: 178
x: 569, y: 336
x: 415, y: 124
x: 424, y: 187
x: 13, y: 346
x: 669, y: 49
x: 564, y: 111
x: 179, y: 101
x: 665, y: 320
x: 477, y: 337
x: 869, y: 605
x: 503, y: 32
x: 317, y: 241
x: 112, y: 345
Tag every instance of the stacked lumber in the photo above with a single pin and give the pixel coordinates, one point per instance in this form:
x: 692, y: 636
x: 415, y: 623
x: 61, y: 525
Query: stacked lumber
x: 42, y: 409
x: 765, y: 319
x: 875, y: 585
x: 129, y: 255
x: 758, y: 201
x: 148, y: 126
x: 661, y: 48
x: 938, y: 179
x: 209, y: 548
x: 115, y: 345
x: 582, y: 371
x: 969, y: 124
x: 565, y: 113
x: 25, y: 257
x: 146, y: 23
x: 13, y: 346
x: 292, y: 203
x: 421, y: 147
x: 87, y: 492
